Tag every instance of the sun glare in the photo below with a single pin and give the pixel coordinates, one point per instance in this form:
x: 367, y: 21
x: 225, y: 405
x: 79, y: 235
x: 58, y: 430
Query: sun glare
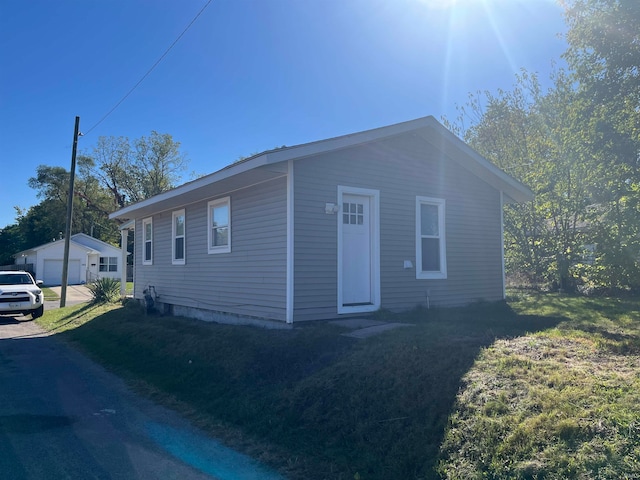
x: 447, y: 4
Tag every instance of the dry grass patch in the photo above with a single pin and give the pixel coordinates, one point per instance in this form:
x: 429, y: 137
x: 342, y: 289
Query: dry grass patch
x: 554, y: 405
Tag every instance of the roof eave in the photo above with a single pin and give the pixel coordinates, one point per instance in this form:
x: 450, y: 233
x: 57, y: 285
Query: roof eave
x: 276, y: 156
x: 484, y: 169
x: 500, y: 180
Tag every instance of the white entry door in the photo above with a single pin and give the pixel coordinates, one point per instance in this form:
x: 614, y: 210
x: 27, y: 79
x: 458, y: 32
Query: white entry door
x: 358, y: 264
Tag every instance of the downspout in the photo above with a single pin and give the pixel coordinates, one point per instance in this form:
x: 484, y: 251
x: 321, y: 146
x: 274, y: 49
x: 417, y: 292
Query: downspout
x: 290, y: 243
x: 504, y: 276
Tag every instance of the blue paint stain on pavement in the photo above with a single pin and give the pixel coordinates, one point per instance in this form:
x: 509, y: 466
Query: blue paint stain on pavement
x: 208, y: 455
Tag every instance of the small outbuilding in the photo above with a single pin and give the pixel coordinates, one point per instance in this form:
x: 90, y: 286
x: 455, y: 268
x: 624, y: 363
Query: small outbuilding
x: 394, y: 217
x: 89, y: 259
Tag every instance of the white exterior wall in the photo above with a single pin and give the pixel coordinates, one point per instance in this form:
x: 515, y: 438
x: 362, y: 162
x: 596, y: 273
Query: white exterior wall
x: 55, y: 251
x: 79, y: 253
x: 28, y: 258
x: 94, y: 264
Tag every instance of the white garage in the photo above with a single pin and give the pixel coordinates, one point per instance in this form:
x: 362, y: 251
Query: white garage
x: 89, y: 259
x: 52, y: 272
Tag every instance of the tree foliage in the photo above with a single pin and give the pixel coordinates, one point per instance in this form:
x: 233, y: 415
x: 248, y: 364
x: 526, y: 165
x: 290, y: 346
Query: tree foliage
x: 133, y: 171
x: 577, y: 146
x: 115, y: 173
x: 527, y: 133
x: 604, y: 54
x: 46, y: 221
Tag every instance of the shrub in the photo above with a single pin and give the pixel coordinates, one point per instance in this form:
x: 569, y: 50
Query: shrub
x: 104, y: 290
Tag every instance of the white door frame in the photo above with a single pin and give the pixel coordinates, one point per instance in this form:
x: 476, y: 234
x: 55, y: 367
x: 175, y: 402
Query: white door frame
x: 374, y: 235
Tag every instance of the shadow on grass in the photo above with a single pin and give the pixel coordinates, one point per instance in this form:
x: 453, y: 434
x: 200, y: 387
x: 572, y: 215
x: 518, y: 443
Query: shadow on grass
x: 334, y: 405
x: 58, y: 320
x: 616, y: 321
x: 383, y: 409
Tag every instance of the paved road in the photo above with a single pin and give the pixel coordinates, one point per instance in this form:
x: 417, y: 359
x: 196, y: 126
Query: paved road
x: 64, y: 417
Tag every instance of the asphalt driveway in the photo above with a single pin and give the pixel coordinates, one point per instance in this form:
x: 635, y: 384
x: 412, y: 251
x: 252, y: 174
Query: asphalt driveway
x: 64, y: 417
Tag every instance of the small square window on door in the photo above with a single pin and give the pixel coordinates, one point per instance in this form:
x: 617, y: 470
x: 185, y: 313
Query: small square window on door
x: 353, y: 213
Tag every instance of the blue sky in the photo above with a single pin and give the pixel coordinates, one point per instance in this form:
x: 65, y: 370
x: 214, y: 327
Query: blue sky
x: 249, y: 75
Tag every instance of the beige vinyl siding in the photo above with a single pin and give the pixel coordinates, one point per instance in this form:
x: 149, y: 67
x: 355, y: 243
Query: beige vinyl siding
x: 401, y: 168
x: 250, y: 280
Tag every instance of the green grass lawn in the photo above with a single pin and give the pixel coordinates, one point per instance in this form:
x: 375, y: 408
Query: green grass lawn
x: 542, y: 387
x: 49, y: 294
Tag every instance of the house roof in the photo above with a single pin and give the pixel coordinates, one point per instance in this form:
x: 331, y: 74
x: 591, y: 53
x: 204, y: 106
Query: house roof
x: 264, y: 166
x: 80, y: 240
x: 92, y: 242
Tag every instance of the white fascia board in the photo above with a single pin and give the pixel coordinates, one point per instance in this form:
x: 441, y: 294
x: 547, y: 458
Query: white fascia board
x: 84, y: 247
x: 347, y: 141
x: 280, y: 155
x: 46, y: 245
x: 42, y: 247
x: 201, y: 182
x: 71, y: 242
x: 23, y: 253
x: 484, y: 169
x: 128, y: 225
x: 510, y: 186
x: 77, y: 238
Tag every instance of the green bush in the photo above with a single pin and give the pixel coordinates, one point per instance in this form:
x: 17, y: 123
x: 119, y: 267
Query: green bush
x: 104, y: 290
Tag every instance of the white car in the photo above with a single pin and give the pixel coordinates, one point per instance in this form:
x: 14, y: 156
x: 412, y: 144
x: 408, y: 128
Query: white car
x: 20, y: 294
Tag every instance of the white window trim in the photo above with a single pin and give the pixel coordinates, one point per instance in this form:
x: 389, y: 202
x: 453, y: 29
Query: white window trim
x: 442, y: 274
x: 174, y: 237
x: 221, y: 248
x: 107, y: 264
x: 145, y: 222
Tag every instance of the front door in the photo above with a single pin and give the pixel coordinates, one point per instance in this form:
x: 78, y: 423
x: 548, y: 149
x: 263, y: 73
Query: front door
x: 358, y: 253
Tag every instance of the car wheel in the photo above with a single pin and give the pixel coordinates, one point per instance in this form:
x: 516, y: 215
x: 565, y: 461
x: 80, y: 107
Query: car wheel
x: 37, y: 312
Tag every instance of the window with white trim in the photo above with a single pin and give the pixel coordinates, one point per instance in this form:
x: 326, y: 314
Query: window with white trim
x: 147, y: 244
x: 219, y: 224
x: 178, y: 235
x: 108, y: 264
x: 431, y: 255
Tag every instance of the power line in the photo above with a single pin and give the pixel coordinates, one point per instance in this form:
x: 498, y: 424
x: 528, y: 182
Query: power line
x: 151, y: 69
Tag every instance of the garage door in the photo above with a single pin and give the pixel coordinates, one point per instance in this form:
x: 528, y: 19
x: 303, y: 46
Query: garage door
x: 53, y: 272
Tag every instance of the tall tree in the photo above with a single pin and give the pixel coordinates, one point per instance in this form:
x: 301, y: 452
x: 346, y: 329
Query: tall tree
x: 11, y: 241
x: 43, y: 222
x: 578, y: 147
x: 116, y: 173
x: 159, y: 162
x: 604, y: 47
x: 604, y: 53
x: 533, y: 136
x: 133, y: 171
x: 112, y: 157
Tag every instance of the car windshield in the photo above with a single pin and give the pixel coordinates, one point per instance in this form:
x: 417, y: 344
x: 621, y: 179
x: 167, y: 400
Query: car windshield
x: 15, y: 279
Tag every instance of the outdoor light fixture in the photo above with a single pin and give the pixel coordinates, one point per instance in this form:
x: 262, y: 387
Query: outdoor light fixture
x: 331, y: 208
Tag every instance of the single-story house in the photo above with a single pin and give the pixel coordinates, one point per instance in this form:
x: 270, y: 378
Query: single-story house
x: 390, y: 218
x: 89, y: 259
